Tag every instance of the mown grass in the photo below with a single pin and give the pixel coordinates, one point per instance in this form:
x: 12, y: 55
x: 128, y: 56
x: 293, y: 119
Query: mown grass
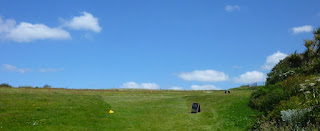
x: 56, y: 109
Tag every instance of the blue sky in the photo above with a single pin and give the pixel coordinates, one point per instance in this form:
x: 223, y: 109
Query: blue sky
x: 167, y: 44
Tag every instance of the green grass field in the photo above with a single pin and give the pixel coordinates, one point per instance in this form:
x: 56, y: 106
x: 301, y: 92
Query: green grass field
x: 61, y: 109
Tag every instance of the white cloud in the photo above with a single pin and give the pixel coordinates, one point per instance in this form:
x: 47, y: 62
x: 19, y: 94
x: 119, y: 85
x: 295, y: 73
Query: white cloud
x: 302, y: 29
x: 85, y: 22
x: 44, y: 70
x: 11, y: 68
x: 204, y: 76
x: 273, y: 59
x: 204, y: 87
x: 133, y: 85
x: 176, y: 88
x: 250, y: 77
x: 26, y: 32
x: 231, y: 8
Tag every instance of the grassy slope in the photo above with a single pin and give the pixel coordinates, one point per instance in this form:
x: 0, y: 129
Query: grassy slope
x: 54, y: 109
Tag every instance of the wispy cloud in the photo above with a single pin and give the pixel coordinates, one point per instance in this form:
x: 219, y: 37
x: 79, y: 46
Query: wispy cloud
x: 237, y: 67
x: 45, y: 70
x: 11, y: 68
x: 176, y: 88
x: 133, y: 85
x: 302, y: 29
x: 250, y: 77
x: 204, y: 76
x: 6, y: 25
x: 273, y: 59
x: 26, y: 32
x: 231, y: 8
x: 84, y: 22
x: 204, y: 87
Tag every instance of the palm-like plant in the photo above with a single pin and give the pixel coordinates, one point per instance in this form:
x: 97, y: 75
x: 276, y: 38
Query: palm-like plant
x: 313, y: 47
x: 317, y: 41
x: 310, y: 52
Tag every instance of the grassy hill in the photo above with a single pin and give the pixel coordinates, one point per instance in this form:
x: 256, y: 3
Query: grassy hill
x: 56, y: 109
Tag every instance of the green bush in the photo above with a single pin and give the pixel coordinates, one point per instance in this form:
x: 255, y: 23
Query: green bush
x: 292, y: 91
x: 266, y: 97
x: 5, y: 85
x: 293, y: 103
x: 286, y: 68
x: 264, y: 124
x: 292, y: 85
x: 270, y: 96
x: 46, y: 86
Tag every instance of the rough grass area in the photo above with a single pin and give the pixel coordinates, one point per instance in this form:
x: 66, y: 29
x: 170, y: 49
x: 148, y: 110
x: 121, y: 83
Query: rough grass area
x: 56, y: 109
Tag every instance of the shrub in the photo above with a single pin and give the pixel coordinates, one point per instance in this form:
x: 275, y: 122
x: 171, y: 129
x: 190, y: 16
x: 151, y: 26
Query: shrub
x: 292, y: 103
x: 285, y: 68
x: 5, y: 85
x: 295, y: 115
x: 277, y: 72
x: 298, y: 104
x: 266, y: 97
x: 292, y: 84
x: 316, y: 66
x: 295, y: 60
x: 46, y: 86
x: 292, y: 93
x: 310, y: 89
x: 273, y: 125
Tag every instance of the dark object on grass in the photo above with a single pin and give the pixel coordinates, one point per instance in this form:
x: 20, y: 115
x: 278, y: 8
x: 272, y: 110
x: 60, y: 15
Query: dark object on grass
x: 195, y: 108
x: 228, y: 91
